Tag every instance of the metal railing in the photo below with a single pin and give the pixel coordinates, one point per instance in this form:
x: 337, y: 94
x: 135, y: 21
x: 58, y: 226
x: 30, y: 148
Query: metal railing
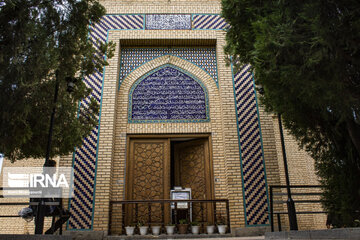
x: 33, y: 203
x: 297, y: 201
x: 173, y: 204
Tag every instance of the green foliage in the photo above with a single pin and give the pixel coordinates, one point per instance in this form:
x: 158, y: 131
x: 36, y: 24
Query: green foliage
x: 221, y: 220
x: 183, y: 221
x: 357, y: 223
x: 141, y: 223
x: 37, y: 39
x: 195, y: 223
x: 306, y: 56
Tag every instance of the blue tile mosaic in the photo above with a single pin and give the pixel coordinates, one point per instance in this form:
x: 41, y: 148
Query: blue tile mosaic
x: 168, y: 93
x: 168, y: 21
x: 98, y: 31
x: 209, y: 22
x: 251, y: 153
x: 203, y: 57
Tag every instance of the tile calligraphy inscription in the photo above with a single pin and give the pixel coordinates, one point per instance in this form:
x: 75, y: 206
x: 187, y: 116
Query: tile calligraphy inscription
x: 168, y: 21
x: 168, y: 94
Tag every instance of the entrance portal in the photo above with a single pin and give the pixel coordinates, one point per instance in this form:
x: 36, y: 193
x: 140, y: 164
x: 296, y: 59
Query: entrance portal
x: 157, y: 165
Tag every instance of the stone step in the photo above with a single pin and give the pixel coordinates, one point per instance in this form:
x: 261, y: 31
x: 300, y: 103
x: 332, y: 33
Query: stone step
x: 175, y: 236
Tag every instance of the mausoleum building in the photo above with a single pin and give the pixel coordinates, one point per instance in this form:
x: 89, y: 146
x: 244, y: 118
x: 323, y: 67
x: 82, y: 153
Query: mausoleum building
x: 176, y: 122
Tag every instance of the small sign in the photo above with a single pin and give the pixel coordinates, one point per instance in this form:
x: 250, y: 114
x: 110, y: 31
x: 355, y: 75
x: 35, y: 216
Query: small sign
x: 184, y: 194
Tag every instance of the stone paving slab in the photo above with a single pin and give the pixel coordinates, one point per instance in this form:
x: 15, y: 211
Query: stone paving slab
x: 229, y: 238
x: 339, y: 234
x: 64, y: 237
x: 175, y: 237
x: 33, y: 237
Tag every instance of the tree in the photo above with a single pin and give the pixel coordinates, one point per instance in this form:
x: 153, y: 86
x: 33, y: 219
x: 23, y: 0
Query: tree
x: 306, y: 56
x: 41, y: 41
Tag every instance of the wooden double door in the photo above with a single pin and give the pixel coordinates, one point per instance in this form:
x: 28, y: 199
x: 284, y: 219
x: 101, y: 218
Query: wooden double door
x: 155, y: 165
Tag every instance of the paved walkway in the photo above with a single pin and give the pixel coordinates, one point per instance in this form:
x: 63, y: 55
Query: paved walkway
x: 200, y: 238
x: 191, y: 237
x: 227, y: 238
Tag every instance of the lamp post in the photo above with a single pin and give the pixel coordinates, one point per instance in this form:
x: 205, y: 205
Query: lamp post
x: 48, y: 148
x: 290, y: 202
x: 40, y: 215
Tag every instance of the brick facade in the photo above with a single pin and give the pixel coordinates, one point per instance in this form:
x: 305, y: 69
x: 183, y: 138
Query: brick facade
x: 104, y: 156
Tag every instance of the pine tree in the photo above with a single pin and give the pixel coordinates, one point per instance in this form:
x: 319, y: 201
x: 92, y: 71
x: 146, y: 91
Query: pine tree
x: 41, y: 40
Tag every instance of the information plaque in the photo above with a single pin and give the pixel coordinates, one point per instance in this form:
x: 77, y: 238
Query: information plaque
x: 181, y: 195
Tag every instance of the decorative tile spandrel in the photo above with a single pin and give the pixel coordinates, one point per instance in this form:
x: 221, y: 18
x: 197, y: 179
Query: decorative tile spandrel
x: 203, y: 57
x: 168, y: 21
x: 168, y: 94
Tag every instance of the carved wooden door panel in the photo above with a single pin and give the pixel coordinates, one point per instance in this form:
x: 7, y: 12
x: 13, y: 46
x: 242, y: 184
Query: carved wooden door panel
x: 192, y: 170
x: 148, y: 178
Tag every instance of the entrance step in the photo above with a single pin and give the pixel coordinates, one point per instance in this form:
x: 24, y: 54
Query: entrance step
x: 175, y: 236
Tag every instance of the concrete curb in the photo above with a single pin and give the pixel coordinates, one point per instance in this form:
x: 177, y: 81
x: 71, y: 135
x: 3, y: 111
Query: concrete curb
x: 340, y: 233
x: 33, y: 237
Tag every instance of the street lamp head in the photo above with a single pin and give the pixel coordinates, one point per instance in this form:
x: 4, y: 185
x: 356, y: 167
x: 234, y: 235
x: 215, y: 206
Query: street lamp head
x: 260, y: 89
x: 70, y: 83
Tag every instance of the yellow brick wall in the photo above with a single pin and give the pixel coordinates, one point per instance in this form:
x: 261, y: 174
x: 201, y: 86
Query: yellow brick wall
x: 110, y: 182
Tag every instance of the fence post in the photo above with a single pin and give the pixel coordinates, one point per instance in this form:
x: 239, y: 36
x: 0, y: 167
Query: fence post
x: 271, y: 209
x: 228, y: 215
x: 149, y: 209
x: 39, y: 218
x: 123, y: 218
x: 110, y: 217
x: 279, y: 222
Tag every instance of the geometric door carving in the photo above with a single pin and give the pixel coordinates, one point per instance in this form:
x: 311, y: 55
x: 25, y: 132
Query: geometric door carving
x: 192, y: 170
x: 148, y: 176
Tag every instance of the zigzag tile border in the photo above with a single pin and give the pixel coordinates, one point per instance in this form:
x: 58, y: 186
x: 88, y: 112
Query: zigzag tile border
x: 209, y: 22
x: 251, y: 152
x: 85, y: 157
